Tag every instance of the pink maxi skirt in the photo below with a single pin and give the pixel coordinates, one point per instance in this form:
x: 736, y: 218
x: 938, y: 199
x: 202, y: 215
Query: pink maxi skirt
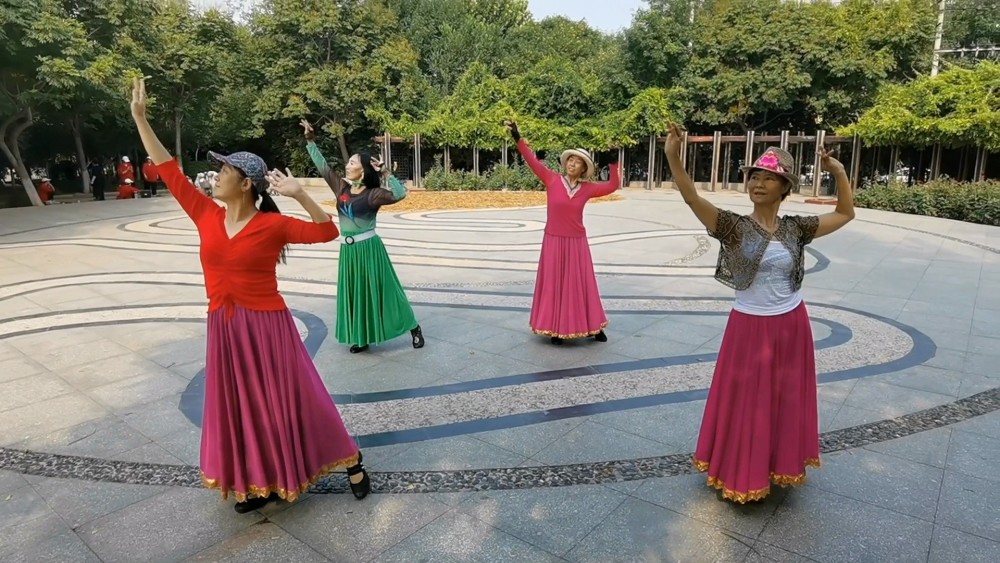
x: 567, y: 303
x: 270, y: 425
x: 761, y: 423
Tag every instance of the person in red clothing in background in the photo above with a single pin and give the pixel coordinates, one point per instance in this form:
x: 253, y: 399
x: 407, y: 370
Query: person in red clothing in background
x: 567, y: 302
x: 271, y: 428
x: 127, y: 191
x: 126, y: 171
x: 46, y: 191
x: 150, y: 176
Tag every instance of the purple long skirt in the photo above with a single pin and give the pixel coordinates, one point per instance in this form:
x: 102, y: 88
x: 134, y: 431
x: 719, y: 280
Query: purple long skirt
x: 270, y: 425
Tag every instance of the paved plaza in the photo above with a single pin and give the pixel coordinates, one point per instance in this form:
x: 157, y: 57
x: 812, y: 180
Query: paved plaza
x: 490, y: 444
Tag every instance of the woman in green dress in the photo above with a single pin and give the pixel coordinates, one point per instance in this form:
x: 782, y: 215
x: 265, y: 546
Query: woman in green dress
x: 371, y: 304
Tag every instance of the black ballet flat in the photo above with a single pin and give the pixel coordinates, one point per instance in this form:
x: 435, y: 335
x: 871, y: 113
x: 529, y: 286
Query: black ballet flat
x: 255, y: 503
x: 418, y: 337
x: 355, y: 349
x: 359, y: 490
x: 601, y: 337
x: 557, y: 341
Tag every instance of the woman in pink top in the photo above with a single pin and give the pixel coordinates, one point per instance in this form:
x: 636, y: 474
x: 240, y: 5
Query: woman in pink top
x: 567, y: 303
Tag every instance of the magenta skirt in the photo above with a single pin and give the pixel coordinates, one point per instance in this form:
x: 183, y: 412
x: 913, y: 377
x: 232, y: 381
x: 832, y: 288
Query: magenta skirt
x: 567, y: 303
x: 270, y: 425
x: 761, y: 423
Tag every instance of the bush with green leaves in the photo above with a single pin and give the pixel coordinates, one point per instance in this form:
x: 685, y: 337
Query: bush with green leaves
x: 973, y: 202
x: 516, y: 177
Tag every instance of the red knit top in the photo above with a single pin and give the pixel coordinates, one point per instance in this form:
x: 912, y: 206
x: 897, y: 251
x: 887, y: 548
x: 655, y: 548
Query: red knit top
x: 241, y: 270
x: 564, y: 214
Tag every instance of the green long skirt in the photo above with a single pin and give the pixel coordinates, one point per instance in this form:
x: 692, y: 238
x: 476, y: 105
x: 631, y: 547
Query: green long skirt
x: 371, y: 304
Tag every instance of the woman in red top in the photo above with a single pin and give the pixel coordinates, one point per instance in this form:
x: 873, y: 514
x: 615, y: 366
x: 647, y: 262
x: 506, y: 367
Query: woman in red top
x: 270, y: 427
x: 567, y: 302
x: 46, y: 191
x: 127, y: 191
x: 125, y: 170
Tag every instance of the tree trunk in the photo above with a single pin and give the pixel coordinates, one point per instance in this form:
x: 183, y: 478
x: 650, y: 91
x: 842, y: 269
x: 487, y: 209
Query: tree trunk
x: 177, y: 136
x: 8, y: 144
x: 81, y: 156
x: 343, y: 147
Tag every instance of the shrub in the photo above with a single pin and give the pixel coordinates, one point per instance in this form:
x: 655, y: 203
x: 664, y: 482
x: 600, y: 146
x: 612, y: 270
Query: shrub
x: 973, y: 202
x: 516, y: 177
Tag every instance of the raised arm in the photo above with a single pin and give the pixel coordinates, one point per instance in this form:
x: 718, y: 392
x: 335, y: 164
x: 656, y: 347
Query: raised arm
x: 332, y: 179
x: 601, y: 189
x: 297, y: 231
x: 190, y: 198
x: 529, y: 155
x: 844, y: 212
x: 707, y: 213
x: 395, y: 192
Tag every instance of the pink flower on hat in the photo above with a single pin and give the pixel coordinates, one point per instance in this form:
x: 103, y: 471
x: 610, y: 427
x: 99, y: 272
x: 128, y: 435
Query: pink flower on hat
x: 769, y: 161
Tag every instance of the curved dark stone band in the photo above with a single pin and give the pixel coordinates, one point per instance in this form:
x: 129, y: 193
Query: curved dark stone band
x: 109, y: 471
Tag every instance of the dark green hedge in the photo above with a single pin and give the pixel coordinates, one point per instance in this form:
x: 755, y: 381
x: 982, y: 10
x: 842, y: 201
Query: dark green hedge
x: 975, y: 202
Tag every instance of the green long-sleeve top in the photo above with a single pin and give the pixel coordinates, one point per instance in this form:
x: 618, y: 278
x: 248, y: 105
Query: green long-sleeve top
x: 357, y: 211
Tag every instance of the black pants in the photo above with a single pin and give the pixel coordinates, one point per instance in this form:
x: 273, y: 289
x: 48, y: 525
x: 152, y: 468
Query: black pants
x: 98, y: 188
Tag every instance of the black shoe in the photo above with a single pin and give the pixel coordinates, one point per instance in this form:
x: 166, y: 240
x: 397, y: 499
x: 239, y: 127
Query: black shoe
x: 418, y: 337
x: 601, y: 337
x: 355, y: 349
x: 360, y: 490
x: 557, y: 341
x: 255, y: 503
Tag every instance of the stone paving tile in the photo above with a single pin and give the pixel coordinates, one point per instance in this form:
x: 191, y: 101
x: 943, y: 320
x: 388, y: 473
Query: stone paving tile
x: 886, y: 481
x: 32, y: 389
x: 79, y: 502
x: 968, y: 504
x: 554, y: 519
x: 975, y: 455
x: 591, y: 441
x: 457, y: 537
x: 138, y: 371
x: 841, y: 529
x: 17, y: 366
x: 47, y: 416
x: 689, y: 495
x: 461, y: 452
x: 529, y: 440
x: 952, y: 546
x: 151, y: 530
x: 103, y: 437
x: 343, y: 529
x: 640, y: 531
x: 263, y: 542
x: 929, y: 448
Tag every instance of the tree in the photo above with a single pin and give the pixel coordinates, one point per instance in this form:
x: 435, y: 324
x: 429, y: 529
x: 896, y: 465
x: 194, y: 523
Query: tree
x: 28, y: 43
x: 656, y: 44
x: 769, y: 64
x: 959, y: 107
x: 971, y: 23
x: 334, y: 62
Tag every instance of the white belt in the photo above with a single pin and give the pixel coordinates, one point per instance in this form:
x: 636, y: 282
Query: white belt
x: 358, y: 238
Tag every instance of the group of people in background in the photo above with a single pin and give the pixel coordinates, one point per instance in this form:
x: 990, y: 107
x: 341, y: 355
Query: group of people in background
x: 271, y: 428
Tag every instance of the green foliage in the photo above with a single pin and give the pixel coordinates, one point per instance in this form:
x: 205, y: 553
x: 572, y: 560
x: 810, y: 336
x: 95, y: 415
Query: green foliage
x: 974, y: 202
x: 452, y: 70
x: 770, y: 64
x: 958, y: 107
x: 515, y: 177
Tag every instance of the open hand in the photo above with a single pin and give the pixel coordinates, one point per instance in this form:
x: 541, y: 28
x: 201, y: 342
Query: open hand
x: 307, y: 129
x: 511, y: 126
x: 675, y: 138
x: 827, y: 162
x: 138, y: 99
x: 284, y: 183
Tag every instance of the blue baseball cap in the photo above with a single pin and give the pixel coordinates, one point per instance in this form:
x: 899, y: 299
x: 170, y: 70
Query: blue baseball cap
x: 247, y: 162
